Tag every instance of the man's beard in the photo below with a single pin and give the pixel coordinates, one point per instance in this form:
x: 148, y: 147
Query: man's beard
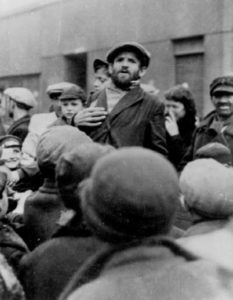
x: 124, y: 84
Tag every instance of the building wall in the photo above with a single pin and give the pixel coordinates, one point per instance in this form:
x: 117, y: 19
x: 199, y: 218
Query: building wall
x: 40, y: 40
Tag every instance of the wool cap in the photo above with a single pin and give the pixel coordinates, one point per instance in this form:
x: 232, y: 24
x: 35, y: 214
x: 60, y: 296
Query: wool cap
x: 73, y: 92
x: 222, y: 84
x: 75, y: 166
x: 55, y: 142
x: 55, y: 90
x: 207, y: 188
x: 132, y: 193
x: 142, y: 53
x: 217, y: 151
x: 21, y: 95
x: 99, y: 63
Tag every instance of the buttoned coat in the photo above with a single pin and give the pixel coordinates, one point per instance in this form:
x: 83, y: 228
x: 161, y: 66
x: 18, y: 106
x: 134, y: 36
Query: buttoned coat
x: 136, y: 120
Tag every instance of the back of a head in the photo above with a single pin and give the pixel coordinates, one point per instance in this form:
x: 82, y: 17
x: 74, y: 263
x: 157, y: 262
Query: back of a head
x: 55, y: 142
x: 132, y: 193
x: 75, y: 166
x: 207, y: 189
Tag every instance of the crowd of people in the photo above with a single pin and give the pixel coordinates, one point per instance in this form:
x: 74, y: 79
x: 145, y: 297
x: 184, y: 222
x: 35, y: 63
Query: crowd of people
x: 121, y: 194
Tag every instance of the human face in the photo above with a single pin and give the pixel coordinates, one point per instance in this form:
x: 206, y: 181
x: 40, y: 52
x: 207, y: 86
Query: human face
x: 101, y: 79
x: 126, y: 68
x: 11, y: 154
x: 70, y: 107
x: 177, y: 109
x: 223, y: 103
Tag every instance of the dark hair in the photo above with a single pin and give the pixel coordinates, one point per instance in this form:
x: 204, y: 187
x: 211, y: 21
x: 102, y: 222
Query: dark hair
x: 181, y: 93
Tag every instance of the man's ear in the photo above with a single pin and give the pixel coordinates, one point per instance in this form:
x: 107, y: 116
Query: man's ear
x: 142, y: 71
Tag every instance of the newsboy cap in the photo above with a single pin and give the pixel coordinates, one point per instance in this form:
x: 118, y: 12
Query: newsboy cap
x: 99, y: 63
x: 57, y: 88
x: 9, y: 137
x: 73, y: 92
x: 132, y: 193
x: 222, y: 84
x: 142, y: 53
x: 21, y: 95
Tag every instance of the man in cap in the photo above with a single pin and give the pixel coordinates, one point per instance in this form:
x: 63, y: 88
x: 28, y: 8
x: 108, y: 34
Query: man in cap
x: 124, y: 114
x: 217, y: 126
x: 101, y: 74
x: 37, y: 126
x: 21, y: 101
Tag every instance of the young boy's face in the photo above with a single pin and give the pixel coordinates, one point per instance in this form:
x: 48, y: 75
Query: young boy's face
x: 11, y: 154
x: 70, y: 107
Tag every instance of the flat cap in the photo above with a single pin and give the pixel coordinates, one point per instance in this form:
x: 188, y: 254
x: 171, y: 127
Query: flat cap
x: 73, y: 92
x: 57, y: 88
x: 222, y: 84
x: 99, y: 63
x: 141, y: 52
x: 21, y: 95
x: 9, y: 137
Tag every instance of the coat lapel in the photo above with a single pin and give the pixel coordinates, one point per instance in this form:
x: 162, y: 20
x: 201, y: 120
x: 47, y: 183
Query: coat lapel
x: 133, y: 96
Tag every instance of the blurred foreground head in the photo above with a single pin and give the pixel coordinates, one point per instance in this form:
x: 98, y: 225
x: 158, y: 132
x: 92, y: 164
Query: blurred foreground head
x: 132, y: 193
x: 207, y: 189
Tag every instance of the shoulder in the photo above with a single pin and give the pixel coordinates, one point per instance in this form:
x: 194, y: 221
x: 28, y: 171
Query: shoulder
x: 42, y: 120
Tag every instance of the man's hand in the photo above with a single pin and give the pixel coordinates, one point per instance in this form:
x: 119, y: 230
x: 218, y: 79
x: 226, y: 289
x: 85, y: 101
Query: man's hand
x: 91, y: 116
x: 171, y: 124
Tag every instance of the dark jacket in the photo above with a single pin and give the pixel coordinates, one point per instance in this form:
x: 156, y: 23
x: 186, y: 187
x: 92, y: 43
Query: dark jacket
x: 136, y: 120
x: 209, y: 131
x: 20, y: 127
x: 42, y: 211
x: 46, y: 271
x: 11, y: 244
x: 150, y: 269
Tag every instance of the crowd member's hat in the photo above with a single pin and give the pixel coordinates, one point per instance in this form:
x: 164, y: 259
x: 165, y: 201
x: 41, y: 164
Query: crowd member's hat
x: 55, y: 90
x: 99, y: 63
x: 207, y: 188
x: 21, y: 95
x: 73, y: 92
x: 222, y: 84
x: 217, y: 151
x: 76, y: 166
x: 142, y: 53
x: 55, y: 142
x: 132, y: 193
x: 13, y: 138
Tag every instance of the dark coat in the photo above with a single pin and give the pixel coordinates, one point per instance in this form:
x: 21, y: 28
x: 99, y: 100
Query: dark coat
x: 153, y: 269
x: 42, y: 211
x: 20, y: 127
x: 11, y: 244
x: 136, y: 120
x: 209, y: 131
x: 45, y: 271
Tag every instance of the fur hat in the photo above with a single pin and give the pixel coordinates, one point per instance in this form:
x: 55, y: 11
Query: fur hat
x: 132, y: 193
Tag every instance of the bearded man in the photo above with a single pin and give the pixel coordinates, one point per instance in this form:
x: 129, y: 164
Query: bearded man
x: 124, y: 114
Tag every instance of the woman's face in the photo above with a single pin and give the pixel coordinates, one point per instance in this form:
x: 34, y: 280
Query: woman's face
x: 177, y: 108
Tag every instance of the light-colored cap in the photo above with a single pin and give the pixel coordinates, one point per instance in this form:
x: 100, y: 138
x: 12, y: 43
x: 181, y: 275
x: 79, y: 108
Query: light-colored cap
x: 58, y: 88
x: 21, y: 95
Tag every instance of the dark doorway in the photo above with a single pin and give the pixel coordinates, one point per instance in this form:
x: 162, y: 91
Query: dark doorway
x: 76, y: 69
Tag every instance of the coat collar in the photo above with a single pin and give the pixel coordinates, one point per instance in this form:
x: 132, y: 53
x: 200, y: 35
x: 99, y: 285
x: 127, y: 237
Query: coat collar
x: 130, y: 98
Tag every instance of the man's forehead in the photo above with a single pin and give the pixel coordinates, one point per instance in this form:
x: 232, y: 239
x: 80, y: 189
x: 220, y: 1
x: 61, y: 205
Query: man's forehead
x: 127, y: 54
